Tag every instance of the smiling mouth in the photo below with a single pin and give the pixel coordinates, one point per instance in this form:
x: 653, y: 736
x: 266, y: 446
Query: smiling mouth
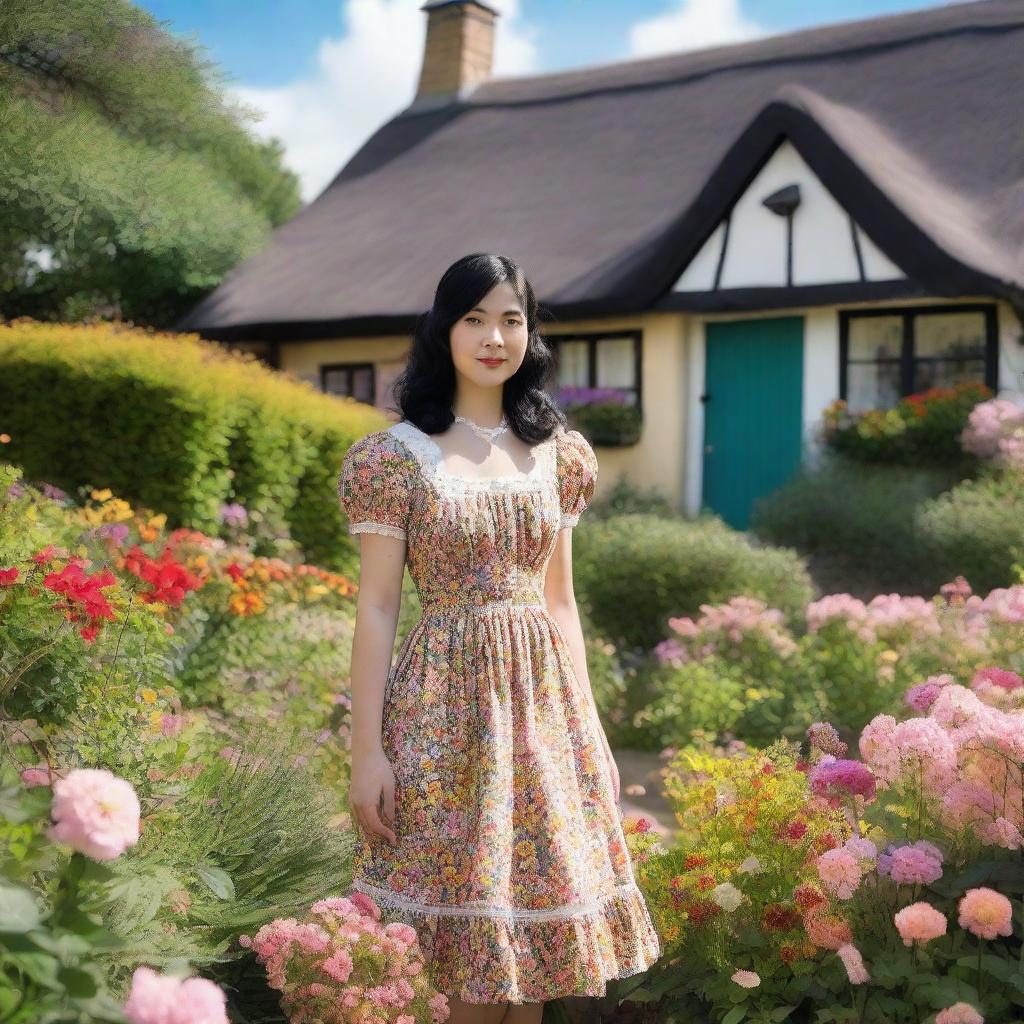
x: 492, y: 360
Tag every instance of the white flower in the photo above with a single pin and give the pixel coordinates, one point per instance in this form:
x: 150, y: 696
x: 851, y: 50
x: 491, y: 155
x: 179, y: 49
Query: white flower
x: 727, y: 896
x: 751, y: 866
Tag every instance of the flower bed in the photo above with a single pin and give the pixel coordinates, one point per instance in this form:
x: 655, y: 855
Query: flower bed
x: 809, y: 885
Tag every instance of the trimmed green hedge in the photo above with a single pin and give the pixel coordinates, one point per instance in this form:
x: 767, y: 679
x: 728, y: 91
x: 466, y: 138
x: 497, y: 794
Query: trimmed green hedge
x: 178, y: 424
x: 633, y: 571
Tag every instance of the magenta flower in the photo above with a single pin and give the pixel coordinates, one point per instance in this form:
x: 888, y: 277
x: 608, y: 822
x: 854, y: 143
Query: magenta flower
x: 917, y: 863
x: 843, y: 777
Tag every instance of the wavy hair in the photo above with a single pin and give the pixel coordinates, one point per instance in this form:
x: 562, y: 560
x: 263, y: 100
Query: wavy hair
x: 425, y: 388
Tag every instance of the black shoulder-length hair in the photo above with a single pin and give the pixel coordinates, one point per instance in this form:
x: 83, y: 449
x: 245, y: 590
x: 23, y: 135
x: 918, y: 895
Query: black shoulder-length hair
x: 425, y: 388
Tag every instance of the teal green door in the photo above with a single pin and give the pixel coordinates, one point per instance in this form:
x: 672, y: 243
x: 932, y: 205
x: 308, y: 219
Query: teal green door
x: 753, y: 402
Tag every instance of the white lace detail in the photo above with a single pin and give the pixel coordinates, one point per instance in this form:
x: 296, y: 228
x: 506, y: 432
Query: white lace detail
x: 368, y: 526
x: 387, y: 898
x: 568, y: 520
x: 429, y: 455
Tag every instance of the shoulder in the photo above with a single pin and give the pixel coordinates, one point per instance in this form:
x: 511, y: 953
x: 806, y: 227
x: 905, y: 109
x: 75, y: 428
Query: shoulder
x: 378, y: 454
x: 380, y: 444
x: 575, y: 454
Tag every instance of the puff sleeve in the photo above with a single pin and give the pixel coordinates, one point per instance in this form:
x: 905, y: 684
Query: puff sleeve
x: 374, y: 486
x: 577, y: 475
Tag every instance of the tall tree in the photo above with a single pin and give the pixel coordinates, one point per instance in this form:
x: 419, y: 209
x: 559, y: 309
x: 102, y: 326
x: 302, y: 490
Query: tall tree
x: 130, y: 183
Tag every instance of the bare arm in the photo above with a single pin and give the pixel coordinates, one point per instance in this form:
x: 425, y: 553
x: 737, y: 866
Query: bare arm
x: 381, y: 567
x: 560, y: 599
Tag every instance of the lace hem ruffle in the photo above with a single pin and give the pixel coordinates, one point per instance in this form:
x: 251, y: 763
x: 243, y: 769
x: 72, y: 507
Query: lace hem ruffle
x: 532, y: 955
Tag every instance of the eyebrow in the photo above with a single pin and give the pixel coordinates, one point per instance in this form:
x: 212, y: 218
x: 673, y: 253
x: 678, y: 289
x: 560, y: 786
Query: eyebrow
x: 480, y: 309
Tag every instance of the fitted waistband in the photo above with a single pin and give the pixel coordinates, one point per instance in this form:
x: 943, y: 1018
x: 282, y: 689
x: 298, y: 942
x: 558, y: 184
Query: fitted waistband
x: 480, y: 609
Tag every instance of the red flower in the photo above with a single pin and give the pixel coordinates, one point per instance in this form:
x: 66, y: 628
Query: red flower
x: 8, y: 576
x: 235, y: 571
x: 826, y: 841
x: 789, y: 954
x: 83, y: 601
x: 706, y: 882
x: 170, y: 580
x: 780, y: 918
x: 808, y: 896
x: 45, y: 555
x: 702, y: 911
x: 795, y: 831
x: 695, y: 860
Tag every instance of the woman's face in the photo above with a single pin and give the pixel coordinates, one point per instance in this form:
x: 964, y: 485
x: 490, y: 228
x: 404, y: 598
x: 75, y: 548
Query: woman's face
x: 495, y: 329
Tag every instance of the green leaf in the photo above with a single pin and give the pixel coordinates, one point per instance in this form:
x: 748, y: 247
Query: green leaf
x: 782, y: 1012
x: 19, y: 911
x: 78, y: 983
x: 735, y: 1015
x: 218, y: 880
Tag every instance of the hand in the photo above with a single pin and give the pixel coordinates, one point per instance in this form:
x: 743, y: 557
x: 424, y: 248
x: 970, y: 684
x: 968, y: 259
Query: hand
x: 373, y: 778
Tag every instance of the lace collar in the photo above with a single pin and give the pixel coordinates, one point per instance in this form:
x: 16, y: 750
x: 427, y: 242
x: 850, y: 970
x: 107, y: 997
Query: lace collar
x: 429, y: 455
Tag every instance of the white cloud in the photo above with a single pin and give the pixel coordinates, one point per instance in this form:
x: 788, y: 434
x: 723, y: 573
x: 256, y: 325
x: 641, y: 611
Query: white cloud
x: 362, y: 79
x: 694, y: 25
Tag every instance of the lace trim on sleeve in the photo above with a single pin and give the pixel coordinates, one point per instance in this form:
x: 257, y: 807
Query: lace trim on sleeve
x: 367, y: 526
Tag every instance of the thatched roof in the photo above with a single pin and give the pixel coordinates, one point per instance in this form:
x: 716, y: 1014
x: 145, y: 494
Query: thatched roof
x: 604, y: 181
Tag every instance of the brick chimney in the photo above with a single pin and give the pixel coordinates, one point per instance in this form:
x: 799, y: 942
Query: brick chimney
x: 459, y: 50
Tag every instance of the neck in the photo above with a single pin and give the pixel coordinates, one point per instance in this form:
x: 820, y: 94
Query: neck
x: 483, y: 408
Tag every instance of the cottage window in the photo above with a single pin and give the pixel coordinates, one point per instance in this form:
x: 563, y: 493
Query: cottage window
x: 599, y: 361
x: 356, y: 380
x: 888, y: 353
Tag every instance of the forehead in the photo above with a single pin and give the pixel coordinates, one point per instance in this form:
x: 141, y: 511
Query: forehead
x: 501, y: 299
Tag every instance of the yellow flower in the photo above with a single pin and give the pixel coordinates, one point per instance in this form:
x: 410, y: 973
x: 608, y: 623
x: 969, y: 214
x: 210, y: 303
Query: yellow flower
x: 149, y: 696
x: 156, y: 717
x: 889, y: 655
x: 101, y: 495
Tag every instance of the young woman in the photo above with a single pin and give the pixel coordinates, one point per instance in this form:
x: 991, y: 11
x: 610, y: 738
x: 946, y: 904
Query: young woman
x: 483, y: 787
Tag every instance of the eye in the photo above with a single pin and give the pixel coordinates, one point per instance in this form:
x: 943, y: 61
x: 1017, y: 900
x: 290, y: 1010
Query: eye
x: 513, y: 322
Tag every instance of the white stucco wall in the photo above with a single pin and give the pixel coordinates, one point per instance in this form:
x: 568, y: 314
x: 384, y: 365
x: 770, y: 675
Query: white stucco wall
x: 755, y: 254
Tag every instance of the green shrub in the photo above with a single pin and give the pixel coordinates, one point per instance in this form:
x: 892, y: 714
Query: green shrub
x: 976, y: 530
x: 634, y: 571
x: 858, y: 522
x: 179, y: 424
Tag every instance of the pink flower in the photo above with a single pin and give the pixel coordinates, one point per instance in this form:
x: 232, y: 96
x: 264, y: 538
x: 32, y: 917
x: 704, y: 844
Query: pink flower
x: 163, y: 999
x: 959, y: 1013
x: 1001, y: 677
x: 747, y: 979
x: 839, y: 872
x: 854, y: 964
x: 922, y: 696
x: 1001, y: 832
x: 986, y: 913
x: 920, y: 922
x: 917, y: 863
x: 365, y: 905
x: 849, y: 777
x: 39, y: 776
x: 95, y: 812
x: 823, y: 736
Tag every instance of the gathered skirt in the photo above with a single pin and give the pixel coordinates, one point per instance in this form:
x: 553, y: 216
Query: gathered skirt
x: 510, y: 861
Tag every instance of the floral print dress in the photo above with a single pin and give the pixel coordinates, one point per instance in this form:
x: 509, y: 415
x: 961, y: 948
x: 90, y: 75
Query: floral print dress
x: 510, y: 863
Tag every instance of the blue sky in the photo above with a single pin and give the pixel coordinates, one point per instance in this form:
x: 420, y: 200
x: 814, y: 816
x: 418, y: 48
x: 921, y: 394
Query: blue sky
x: 322, y: 75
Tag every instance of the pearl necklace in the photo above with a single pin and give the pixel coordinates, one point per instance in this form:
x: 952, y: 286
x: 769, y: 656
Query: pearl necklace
x: 487, y: 433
